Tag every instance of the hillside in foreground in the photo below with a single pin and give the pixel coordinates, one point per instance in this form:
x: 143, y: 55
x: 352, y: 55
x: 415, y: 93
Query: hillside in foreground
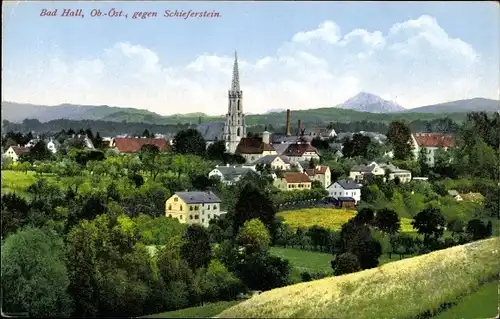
x: 402, y: 289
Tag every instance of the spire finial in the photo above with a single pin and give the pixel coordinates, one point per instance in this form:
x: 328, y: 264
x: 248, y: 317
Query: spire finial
x: 235, y: 84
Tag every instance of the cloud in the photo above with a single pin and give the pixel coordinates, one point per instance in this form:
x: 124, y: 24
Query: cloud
x: 416, y: 63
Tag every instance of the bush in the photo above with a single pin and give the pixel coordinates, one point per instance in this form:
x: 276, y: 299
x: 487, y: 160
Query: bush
x: 345, y: 263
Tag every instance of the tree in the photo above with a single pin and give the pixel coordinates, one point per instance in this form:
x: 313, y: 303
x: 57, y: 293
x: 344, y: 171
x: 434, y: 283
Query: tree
x: 39, y: 152
x: 320, y: 144
x: 477, y: 229
x: 252, y: 203
x: 146, y: 133
x: 399, y: 135
x: 429, y: 222
x: 262, y: 271
x: 365, y: 216
x: 387, y: 221
x: 345, y: 263
x: 195, y: 248
x: 190, y: 142
x: 15, y: 212
x: 34, y: 276
x: 216, y: 151
x: 357, y: 239
x: 220, y: 284
x: 254, y: 236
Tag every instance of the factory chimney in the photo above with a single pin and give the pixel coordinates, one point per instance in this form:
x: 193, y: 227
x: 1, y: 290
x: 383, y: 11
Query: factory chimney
x: 288, y: 122
x: 299, y: 127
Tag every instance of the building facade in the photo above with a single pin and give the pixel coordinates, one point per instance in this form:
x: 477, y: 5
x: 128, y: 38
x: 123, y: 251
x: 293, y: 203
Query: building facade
x: 193, y: 207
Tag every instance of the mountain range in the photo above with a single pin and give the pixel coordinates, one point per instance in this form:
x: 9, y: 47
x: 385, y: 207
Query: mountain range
x: 356, y: 107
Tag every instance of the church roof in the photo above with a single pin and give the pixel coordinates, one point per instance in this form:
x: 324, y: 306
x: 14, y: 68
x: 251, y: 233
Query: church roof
x: 211, y: 131
x: 253, y: 145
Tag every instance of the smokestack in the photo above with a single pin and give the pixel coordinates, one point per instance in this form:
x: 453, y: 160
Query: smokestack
x: 299, y: 127
x: 288, y: 122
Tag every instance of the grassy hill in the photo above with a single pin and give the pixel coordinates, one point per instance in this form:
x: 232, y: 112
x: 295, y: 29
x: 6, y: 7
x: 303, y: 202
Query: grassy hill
x: 402, y: 289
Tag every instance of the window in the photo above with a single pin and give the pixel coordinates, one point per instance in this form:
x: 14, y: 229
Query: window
x: 181, y: 207
x: 196, y: 217
x: 190, y: 216
x: 175, y: 199
x: 208, y: 207
x: 169, y: 207
x: 203, y: 204
x: 190, y: 208
x: 170, y: 215
x: 215, y: 206
x: 209, y: 216
x: 202, y: 220
x: 180, y: 217
x: 196, y: 207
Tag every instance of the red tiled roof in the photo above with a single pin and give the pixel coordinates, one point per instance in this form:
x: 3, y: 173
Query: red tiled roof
x: 133, y: 145
x: 434, y: 140
x: 296, y: 177
x: 299, y: 149
x: 19, y: 150
x: 253, y: 145
x: 320, y: 170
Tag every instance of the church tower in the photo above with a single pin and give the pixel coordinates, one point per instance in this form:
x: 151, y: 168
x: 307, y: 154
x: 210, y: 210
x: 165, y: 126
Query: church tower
x: 234, y: 128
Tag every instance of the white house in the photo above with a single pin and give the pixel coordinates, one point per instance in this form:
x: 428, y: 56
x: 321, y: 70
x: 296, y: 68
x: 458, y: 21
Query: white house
x: 345, y: 188
x: 14, y: 152
x: 53, y: 145
x: 431, y: 142
x: 254, y: 148
x: 194, y: 207
x: 230, y: 175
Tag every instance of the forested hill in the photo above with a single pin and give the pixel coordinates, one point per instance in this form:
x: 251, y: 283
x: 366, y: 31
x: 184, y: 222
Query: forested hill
x: 109, y: 128
x: 15, y: 112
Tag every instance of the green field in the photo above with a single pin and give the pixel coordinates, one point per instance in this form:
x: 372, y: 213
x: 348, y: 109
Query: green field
x: 17, y: 182
x: 483, y: 303
x: 304, y: 260
x: 312, y: 261
x: 400, y: 289
x: 205, y: 311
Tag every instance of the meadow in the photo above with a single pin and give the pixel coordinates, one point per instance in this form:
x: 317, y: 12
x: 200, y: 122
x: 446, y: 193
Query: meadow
x: 17, y: 182
x: 329, y: 218
x: 401, y: 289
x: 208, y: 310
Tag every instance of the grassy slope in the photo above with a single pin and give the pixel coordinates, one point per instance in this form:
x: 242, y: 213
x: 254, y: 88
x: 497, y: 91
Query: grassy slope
x: 399, y: 289
x: 483, y: 303
x: 205, y: 311
x: 327, y: 217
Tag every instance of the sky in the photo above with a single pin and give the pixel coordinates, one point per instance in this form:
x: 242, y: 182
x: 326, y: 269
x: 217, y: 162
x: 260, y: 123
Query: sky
x: 295, y: 55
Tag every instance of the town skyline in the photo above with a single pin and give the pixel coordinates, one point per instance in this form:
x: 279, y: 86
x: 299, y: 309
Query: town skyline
x: 416, y: 56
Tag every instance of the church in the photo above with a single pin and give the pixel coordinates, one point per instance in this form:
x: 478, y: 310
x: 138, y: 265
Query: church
x: 234, y: 128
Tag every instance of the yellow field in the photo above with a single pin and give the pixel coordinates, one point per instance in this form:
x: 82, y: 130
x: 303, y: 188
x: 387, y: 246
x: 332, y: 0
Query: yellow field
x: 401, y: 289
x: 329, y: 218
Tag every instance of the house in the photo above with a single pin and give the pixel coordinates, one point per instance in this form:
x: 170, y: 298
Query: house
x: 358, y: 172
x: 254, y: 148
x: 346, y: 202
x: 299, y: 152
x: 53, y: 145
x: 472, y: 197
x: 321, y: 174
x: 107, y: 142
x: 430, y: 142
x: 82, y: 138
x: 322, y: 133
x: 345, y: 188
x: 403, y: 175
x: 293, y: 181
x: 194, y: 207
x: 275, y: 162
x: 230, y: 175
x: 453, y: 193
x: 15, y: 152
x: 31, y: 143
x: 133, y: 145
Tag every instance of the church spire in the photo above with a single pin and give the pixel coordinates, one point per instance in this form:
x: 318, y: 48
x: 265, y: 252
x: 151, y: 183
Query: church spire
x: 235, y: 84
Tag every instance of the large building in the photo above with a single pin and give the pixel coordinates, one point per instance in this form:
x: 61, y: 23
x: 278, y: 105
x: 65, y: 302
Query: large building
x: 234, y: 128
x: 195, y: 207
